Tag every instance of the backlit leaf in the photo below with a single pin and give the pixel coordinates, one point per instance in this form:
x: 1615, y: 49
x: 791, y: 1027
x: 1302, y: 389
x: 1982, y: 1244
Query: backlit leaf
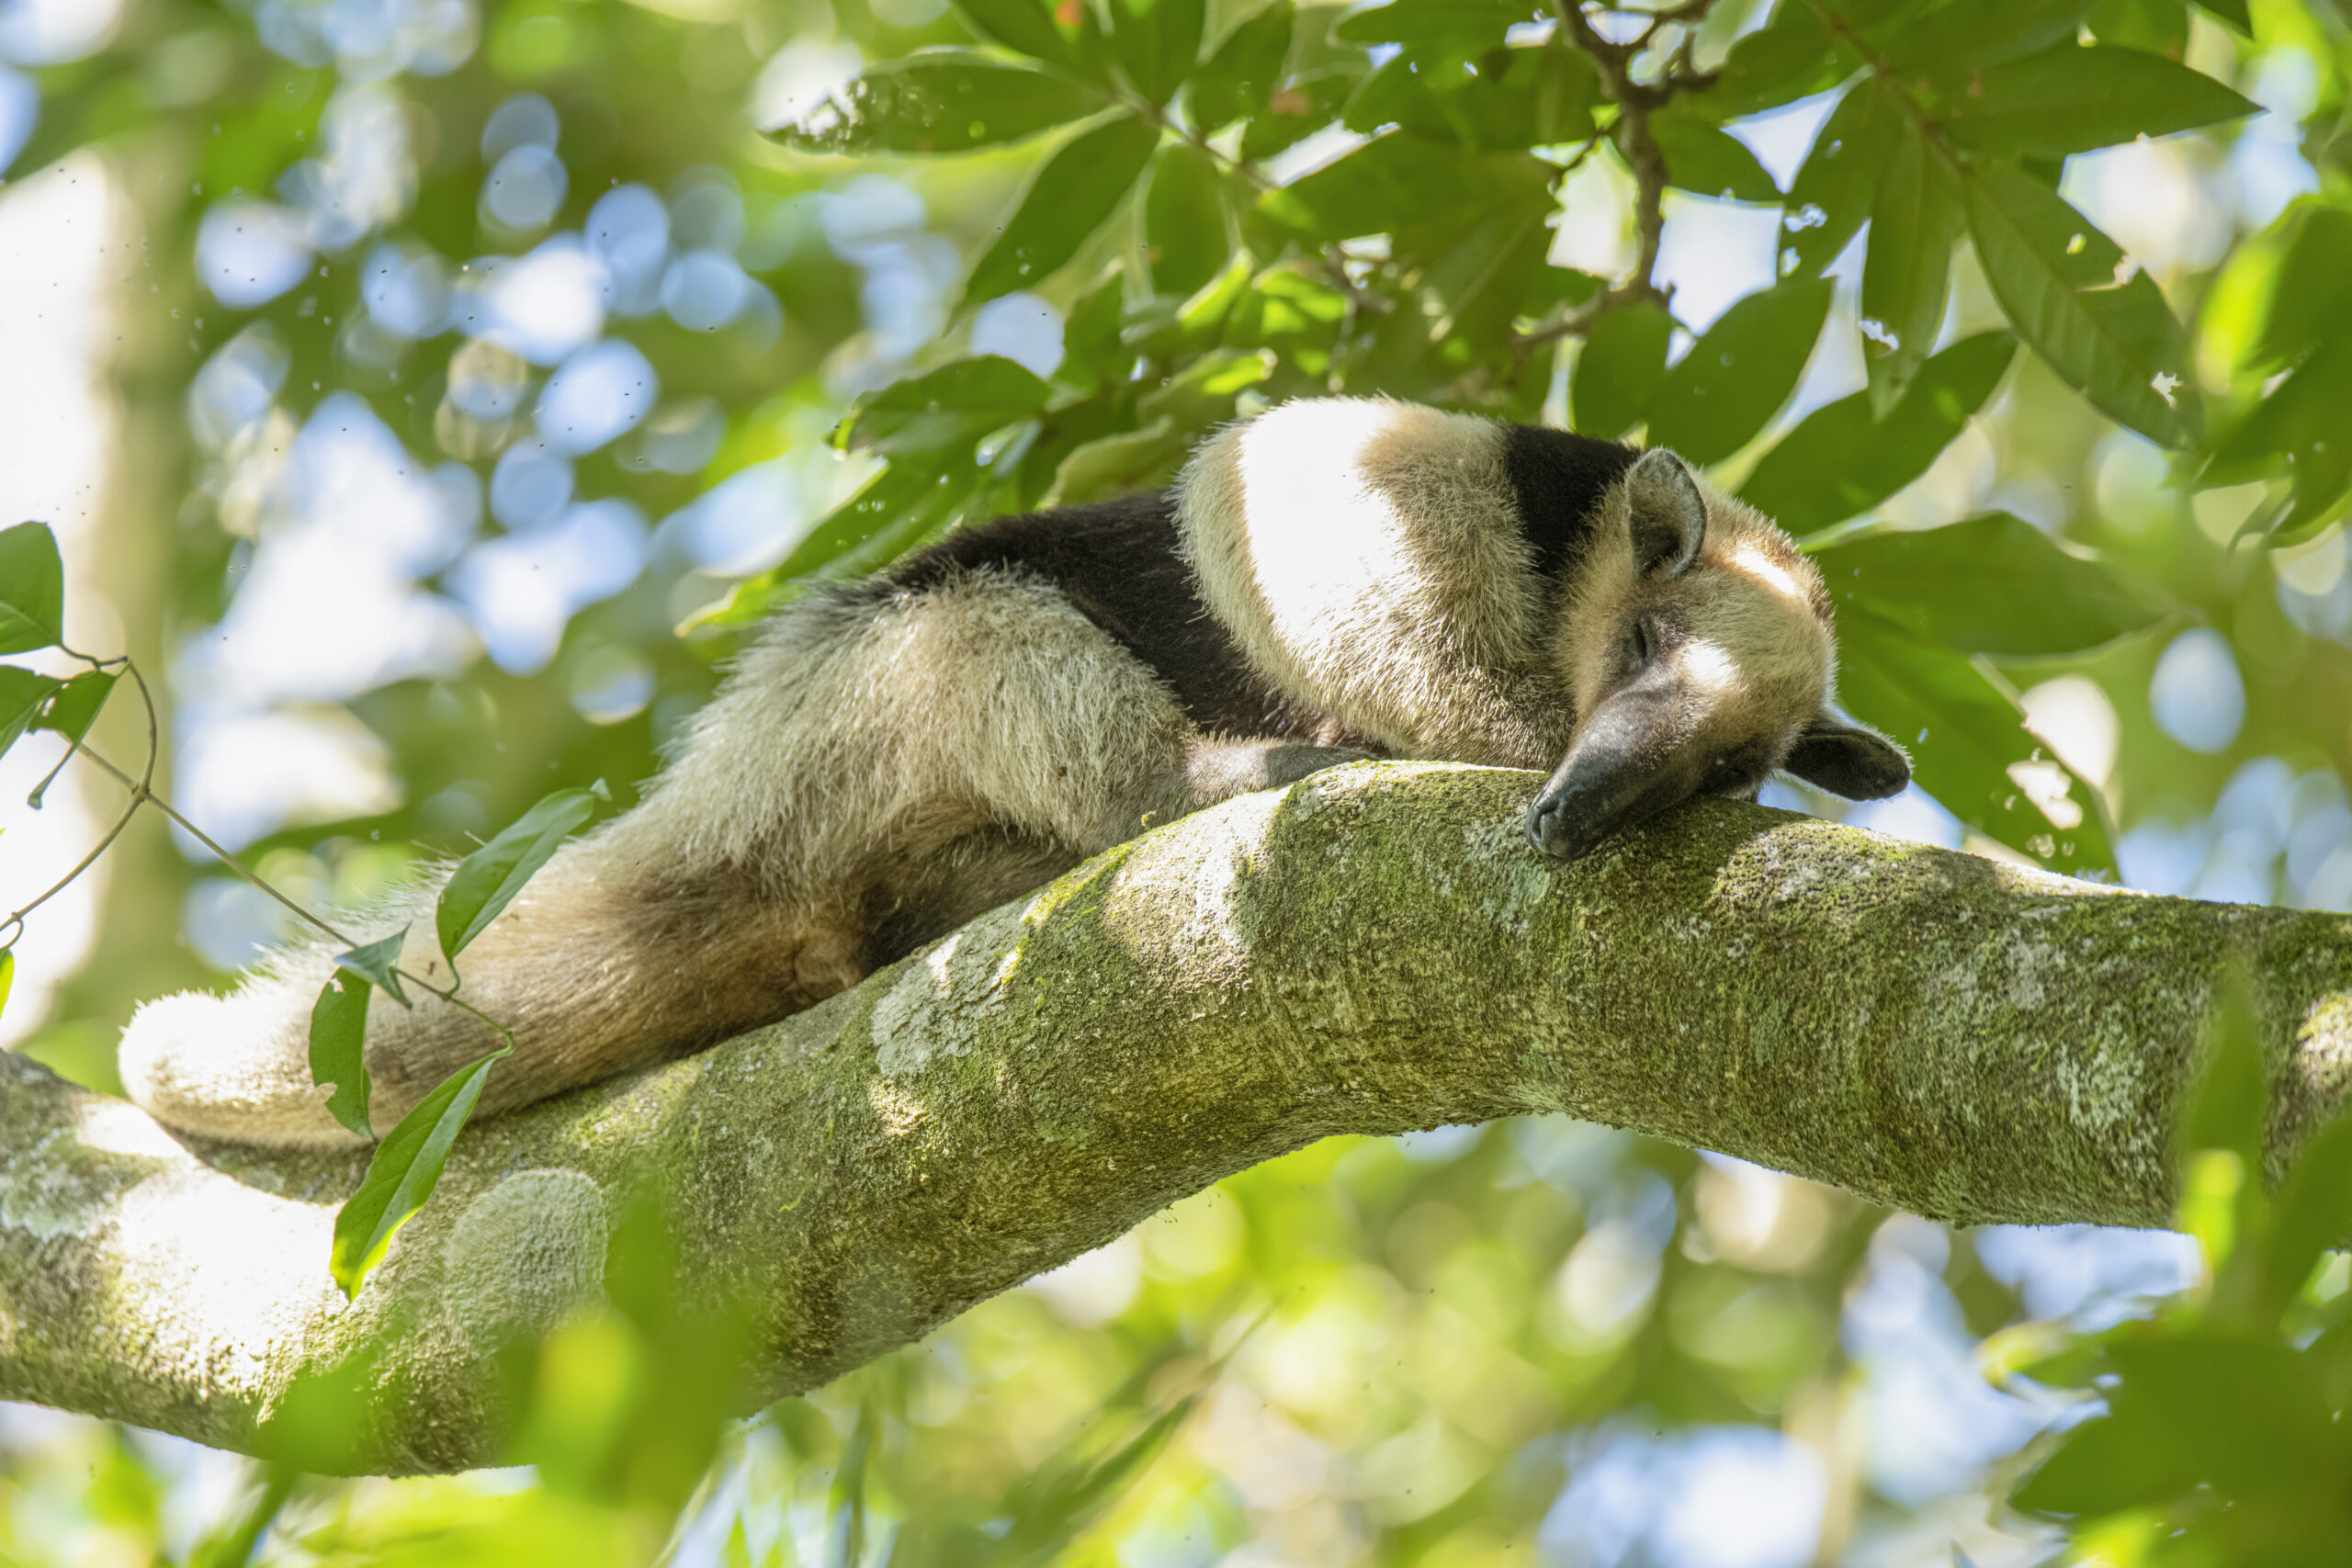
x: 2160, y: 27
x: 1026, y: 26
x: 1240, y: 75
x: 1622, y: 361
x: 1992, y: 584
x: 378, y: 964
x: 1708, y: 161
x: 2297, y: 430
x: 488, y: 880
x: 32, y: 589
x: 944, y: 101
x: 2308, y: 300
x: 1740, y: 371
x: 1965, y: 734
x: 1072, y: 196
x: 1834, y: 188
x: 944, y: 408
x: 2314, y: 1211
x: 1298, y: 108
x: 1156, y: 42
x: 1792, y: 55
x: 338, y: 1039
x: 406, y: 1167
x: 22, y: 697
x: 2072, y: 99
x: 1948, y: 42
x: 1907, y: 269
x: 1436, y: 27
x: 2233, y: 12
x: 1186, y: 232
x: 1839, y: 462
x: 7, y: 974
x: 2055, y: 276
x: 75, y: 707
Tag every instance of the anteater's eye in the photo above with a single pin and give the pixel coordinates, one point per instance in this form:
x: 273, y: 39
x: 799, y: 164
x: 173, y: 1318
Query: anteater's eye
x: 1641, y: 646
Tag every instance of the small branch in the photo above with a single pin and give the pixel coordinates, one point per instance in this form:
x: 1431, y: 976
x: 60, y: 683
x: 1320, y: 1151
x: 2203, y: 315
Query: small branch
x: 139, y: 789
x: 141, y: 792
x: 1636, y: 100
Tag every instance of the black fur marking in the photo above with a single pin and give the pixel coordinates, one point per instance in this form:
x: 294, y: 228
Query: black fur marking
x: 1558, y: 478
x: 1116, y: 561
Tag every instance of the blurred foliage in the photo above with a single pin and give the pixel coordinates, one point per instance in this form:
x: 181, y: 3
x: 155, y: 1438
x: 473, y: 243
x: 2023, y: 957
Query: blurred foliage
x: 1011, y: 255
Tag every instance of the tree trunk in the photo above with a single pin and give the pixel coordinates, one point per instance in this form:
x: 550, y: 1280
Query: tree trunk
x: 1373, y: 950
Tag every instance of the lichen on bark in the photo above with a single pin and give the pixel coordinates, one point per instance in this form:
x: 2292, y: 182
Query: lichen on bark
x: 1372, y: 950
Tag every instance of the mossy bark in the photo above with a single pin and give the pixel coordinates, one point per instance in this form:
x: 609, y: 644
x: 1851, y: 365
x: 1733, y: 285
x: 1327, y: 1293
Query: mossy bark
x: 1371, y: 950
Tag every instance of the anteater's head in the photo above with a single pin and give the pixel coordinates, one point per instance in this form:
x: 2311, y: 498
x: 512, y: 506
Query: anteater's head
x: 1696, y: 641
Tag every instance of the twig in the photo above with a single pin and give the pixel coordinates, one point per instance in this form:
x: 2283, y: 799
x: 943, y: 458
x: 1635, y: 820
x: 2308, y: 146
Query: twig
x: 1636, y: 100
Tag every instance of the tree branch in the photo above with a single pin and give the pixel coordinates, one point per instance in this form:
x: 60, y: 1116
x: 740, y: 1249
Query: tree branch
x: 1371, y: 950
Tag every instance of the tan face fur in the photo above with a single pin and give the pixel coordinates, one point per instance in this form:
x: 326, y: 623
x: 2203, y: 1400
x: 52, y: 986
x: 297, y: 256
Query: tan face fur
x: 1743, y: 626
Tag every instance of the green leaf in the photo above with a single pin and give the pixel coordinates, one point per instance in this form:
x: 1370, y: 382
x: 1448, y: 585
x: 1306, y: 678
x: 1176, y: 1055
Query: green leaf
x: 903, y: 503
x: 2101, y: 1467
x: 32, y: 589
x: 338, y: 1041
x: 1390, y: 182
x: 75, y: 707
x: 1708, y: 161
x: 1791, y: 56
x: 487, y: 880
x: 1025, y: 26
x: 1964, y: 734
x: 7, y: 974
x: 1740, y: 371
x: 1835, y: 186
x: 1240, y: 75
x: 1948, y: 41
x: 2314, y: 1211
x: 1511, y: 98
x: 377, y: 963
x: 2239, y: 1413
x: 1907, y: 269
x: 1092, y: 355
x: 1186, y: 234
x: 2233, y: 12
x: 943, y: 101
x: 1839, y: 461
x: 1073, y: 195
x: 1436, y: 29
x: 2160, y: 27
x: 1121, y: 463
x: 2309, y: 301
x: 2055, y: 275
x: 944, y: 408
x: 406, y: 1167
x: 2228, y: 1101
x: 2298, y: 428
x: 22, y: 697
x: 1306, y: 105
x: 1993, y: 584
x: 1621, y: 366
x: 2072, y: 99
x: 1156, y: 42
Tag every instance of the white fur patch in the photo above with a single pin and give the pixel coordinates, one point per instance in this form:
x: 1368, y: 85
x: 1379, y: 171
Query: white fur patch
x: 1369, y: 559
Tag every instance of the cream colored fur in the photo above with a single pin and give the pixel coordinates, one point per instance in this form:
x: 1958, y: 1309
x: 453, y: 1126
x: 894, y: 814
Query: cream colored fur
x: 986, y: 722
x: 1759, y: 651
x: 1367, y: 555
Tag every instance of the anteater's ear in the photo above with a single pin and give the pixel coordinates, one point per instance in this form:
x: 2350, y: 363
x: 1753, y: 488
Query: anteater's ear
x: 1669, y: 516
x: 1848, y: 758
